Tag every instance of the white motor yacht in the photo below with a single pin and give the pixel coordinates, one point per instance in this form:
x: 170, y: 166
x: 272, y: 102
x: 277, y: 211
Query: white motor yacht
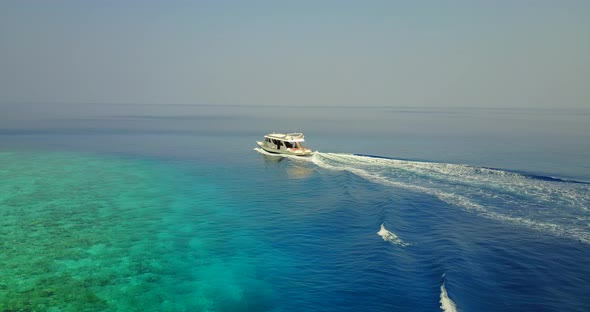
x: 288, y: 144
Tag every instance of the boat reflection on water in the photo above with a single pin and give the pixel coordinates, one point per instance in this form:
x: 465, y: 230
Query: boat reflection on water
x: 294, y: 169
x: 299, y: 172
x: 272, y: 158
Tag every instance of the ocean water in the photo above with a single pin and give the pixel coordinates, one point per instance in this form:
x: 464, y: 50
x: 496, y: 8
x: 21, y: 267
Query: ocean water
x: 173, y: 208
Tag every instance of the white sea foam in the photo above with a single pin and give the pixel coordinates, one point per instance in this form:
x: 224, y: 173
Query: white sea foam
x: 446, y: 304
x: 388, y: 236
x: 546, y: 206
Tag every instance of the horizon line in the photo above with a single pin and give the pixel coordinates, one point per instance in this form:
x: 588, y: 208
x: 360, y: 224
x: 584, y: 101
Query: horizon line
x: 293, y: 105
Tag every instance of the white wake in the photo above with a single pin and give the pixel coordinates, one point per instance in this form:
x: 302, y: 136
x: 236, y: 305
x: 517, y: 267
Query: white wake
x: 388, y: 236
x: 446, y: 304
x: 558, y: 208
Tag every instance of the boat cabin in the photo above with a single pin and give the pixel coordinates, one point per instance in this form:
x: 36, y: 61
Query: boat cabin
x: 290, y: 143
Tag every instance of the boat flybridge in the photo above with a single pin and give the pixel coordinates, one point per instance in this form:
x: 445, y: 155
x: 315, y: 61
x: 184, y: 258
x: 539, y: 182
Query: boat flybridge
x: 288, y: 144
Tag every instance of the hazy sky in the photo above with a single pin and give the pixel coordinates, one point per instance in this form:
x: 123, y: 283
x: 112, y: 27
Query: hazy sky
x: 398, y: 53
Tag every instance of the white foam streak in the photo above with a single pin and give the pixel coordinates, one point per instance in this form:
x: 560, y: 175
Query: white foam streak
x: 514, y: 194
x: 446, y: 304
x: 388, y: 236
x: 578, y: 196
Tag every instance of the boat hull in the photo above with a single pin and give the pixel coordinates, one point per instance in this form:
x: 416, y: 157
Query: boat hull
x: 285, y: 151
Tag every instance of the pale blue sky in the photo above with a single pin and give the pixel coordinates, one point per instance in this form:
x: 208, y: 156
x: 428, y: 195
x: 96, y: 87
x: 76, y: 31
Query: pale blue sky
x: 378, y: 53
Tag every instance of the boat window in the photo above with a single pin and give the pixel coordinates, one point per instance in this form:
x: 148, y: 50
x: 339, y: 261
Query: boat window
x: 288, y: 144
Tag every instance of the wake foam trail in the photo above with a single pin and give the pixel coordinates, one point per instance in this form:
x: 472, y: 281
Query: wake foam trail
x: 558, y: 208
x: 446, y: 304
x: 388, y: 236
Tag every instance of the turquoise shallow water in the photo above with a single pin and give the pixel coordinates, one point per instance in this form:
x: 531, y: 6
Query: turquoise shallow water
x: 152, y: 213
x: 89, y: 233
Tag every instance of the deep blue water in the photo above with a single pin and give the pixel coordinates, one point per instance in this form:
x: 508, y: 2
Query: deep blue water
x: 496, y: 200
